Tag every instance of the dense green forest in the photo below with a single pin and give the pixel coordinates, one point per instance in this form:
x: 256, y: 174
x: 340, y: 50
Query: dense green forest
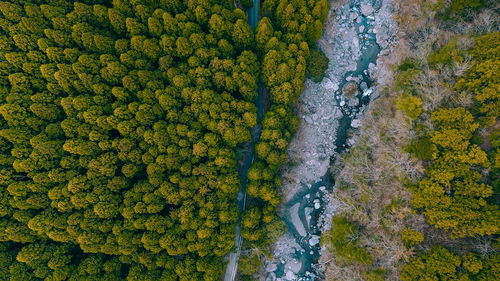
x: 120, y: 123
x: 419, y: 193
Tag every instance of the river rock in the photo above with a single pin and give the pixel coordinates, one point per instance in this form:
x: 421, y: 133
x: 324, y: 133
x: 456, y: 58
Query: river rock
x: 314, y: 240
x: 338, y: 113
x: 355, y: 123
x: 307, y: 213
x: 317, y: 141
x: 354, y: 102
x: 354, y: 16
x: 371, y: 68
x: 327, y: 83
x: 349, y: 89
x: 335, y: 87
x: 290, y: 275
x: 355, y: 40
x: 297, y: 223
x: 294, y: 266
x: 271, y: 267
x: 366, y: 9
x: 351, y: 78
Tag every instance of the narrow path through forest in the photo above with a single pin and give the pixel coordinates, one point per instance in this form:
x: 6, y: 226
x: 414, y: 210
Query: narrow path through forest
x: 232, y: 266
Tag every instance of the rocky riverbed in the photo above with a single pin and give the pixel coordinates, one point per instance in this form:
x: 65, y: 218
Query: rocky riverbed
x: 356, y: 37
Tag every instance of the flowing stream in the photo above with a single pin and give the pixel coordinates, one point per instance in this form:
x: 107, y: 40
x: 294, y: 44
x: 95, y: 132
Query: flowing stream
x: 349, y: 41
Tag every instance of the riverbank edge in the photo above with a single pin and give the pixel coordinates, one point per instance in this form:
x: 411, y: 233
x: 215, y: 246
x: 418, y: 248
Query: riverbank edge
x: 381, y: 76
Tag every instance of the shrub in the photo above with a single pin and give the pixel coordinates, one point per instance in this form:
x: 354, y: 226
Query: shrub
x: 411, y: 237
x: 249, y: 264
x: 246, y: 4
x: 458, y: 9
x: 408, y: 63
x: 476, y: 139
x: 447, y: 55
x: 411, y: 106
x: 422, y: 148
x: 404, y: 81
x: 343, y: 238
x: 317, y: 64
x: 495, y: 138
x: 375, y: 275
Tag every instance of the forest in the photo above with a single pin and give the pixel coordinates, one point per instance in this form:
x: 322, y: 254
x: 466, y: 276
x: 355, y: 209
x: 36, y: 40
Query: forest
x: 419, y: 193
x: 119, y: 130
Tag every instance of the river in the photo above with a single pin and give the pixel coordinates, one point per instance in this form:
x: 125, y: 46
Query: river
x: 350, y: 42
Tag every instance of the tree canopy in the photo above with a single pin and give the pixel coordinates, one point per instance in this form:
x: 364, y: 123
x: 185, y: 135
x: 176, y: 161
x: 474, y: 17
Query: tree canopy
x: 119, y: 122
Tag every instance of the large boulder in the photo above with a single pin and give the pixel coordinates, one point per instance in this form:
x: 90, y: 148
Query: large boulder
x: 367, y: 9
x: 349, y: 90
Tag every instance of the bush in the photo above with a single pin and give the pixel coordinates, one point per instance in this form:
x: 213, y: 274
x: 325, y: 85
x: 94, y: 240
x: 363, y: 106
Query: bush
x: 422, y: 148
x: 408, y: 63
x: 495, y: 138
x: 447, y: 55
x: 404, y: 81
x: 375, y: 275
x: 249, y: 264
x: 246, y: 4
x: 458, y: 9
x: 411, y: 106
x: 411, y: 237
x: 317, y: 64
x: 476, y: 139
x: 343, y: 239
